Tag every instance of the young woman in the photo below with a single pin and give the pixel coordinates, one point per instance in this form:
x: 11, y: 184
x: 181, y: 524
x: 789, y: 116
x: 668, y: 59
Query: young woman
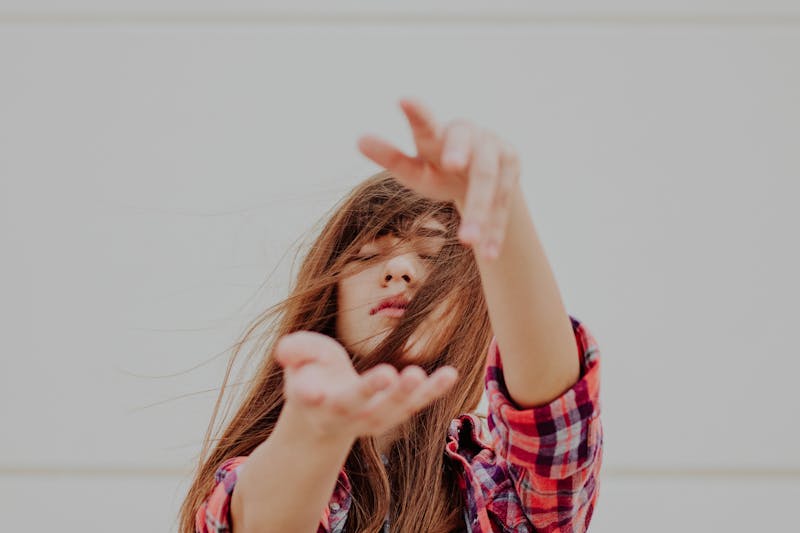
x: 361, y: 415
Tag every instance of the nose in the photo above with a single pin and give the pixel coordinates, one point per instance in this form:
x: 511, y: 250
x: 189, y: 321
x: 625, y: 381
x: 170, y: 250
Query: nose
x: 402, y: 267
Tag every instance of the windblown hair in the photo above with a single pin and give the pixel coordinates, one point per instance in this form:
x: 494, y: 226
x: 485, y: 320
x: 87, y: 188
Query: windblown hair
x: 419, y: 483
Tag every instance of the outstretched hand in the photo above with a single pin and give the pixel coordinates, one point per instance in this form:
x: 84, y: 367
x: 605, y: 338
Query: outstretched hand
x: 458, y: 162
x: 323, y: 385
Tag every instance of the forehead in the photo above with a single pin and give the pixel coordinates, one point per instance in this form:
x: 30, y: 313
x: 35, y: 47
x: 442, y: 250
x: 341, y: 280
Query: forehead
x: 428, y: 229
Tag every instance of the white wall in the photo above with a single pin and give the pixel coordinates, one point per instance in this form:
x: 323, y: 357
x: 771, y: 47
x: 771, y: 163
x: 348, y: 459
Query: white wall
x: 158, y: 158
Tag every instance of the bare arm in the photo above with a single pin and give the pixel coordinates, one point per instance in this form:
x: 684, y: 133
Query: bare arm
x: 479, y: 172
x: 287, y: 481
x: 530, y: 322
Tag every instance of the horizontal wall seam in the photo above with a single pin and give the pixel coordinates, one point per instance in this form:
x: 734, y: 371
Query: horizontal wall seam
x: 620, y: 473
x: 279, y: 18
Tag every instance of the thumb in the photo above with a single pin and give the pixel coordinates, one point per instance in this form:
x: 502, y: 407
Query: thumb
x: 405, y: 168
x: 300, y: 348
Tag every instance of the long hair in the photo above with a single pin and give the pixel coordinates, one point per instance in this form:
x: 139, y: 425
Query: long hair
x: 418, y: 487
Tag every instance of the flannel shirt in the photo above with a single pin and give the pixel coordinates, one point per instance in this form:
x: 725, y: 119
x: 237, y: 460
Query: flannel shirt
x: 537, y: 472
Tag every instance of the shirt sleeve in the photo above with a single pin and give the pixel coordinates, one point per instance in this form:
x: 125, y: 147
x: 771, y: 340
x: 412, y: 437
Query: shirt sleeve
x: 214, y: 514
x: 554, y: 451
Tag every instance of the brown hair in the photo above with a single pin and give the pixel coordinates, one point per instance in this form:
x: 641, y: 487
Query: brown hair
x: 419, y: 481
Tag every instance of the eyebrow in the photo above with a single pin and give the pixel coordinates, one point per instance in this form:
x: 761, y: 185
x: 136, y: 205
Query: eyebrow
x: 431, y: 232
x: 424, y: 232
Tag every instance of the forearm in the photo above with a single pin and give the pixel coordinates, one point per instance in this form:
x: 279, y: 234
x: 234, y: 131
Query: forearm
x: 532, y: 327
x: 288, y: 479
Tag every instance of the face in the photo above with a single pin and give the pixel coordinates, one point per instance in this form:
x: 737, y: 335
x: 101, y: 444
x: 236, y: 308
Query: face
x: 364, y: 316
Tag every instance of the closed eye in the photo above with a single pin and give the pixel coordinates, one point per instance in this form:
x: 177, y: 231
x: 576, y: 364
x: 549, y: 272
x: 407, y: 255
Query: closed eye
x: 368, y: 257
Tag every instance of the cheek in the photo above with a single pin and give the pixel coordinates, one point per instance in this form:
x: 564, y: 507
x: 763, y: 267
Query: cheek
x: 350, y: 291
x: 348, y: 305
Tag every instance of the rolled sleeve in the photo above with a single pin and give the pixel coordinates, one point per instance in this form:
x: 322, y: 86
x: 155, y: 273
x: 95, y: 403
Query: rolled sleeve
x: 214, y: 515
x: 553, y: 451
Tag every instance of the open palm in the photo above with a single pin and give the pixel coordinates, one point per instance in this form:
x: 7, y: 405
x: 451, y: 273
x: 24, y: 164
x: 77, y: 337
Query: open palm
x: 321, y: 383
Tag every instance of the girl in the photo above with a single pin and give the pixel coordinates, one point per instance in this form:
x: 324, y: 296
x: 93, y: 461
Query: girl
x: 361, y: 419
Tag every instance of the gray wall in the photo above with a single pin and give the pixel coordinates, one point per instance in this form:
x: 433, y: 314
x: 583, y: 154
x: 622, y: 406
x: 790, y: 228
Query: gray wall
x: 157, y: 160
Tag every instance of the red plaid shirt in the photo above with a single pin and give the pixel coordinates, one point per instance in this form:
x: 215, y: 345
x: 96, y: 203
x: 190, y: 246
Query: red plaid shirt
x: 538, y: 471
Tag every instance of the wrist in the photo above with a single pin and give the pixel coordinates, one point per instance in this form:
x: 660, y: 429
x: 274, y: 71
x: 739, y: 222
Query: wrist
x: 295, y: 419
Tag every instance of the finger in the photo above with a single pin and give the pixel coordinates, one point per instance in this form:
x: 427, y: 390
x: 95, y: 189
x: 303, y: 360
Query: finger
x: 303, y: 347
x: 388, y: 409
x: 500, y: 211
x: 374, y: 380
x: 457, y: 147
x: 410, y: 378
x: 483, y: 177
x: 435, y: 386
x: 406, y: 168
x: 385, y: 404
x: 423, y: 125
x: 371, y: 383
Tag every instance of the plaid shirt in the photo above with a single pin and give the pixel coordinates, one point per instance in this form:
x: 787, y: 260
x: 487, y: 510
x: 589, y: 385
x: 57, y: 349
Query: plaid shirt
x: 538, y: 471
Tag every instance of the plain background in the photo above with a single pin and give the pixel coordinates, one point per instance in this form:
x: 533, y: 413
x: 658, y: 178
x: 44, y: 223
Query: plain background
x: 160, y: 160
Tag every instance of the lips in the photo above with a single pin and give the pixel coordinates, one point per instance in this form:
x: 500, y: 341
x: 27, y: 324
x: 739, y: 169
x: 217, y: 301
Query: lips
x: 394, y: 305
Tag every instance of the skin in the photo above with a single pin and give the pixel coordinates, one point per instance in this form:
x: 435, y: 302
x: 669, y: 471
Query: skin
x: 479, y: 172
x: 402, y: 268
x: 328, y: 404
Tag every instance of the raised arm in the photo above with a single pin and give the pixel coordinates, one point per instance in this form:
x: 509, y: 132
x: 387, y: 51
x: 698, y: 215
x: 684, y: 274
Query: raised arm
x: 479, y: 172
x: 532, y: 327
x: 544, y: 394
x: 286, y: 482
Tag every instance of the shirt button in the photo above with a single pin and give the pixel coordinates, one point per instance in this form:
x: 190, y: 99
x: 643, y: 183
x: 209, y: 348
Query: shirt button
x: 335, y: 506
